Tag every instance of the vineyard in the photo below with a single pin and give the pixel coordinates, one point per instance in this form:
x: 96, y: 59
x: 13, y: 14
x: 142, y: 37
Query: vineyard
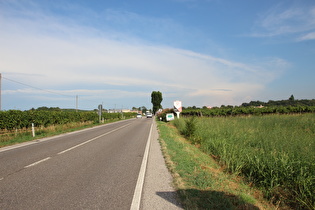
x: 275, y: 153
x: 234, y: 111
x: 15, y: 119
x: 16, y: 126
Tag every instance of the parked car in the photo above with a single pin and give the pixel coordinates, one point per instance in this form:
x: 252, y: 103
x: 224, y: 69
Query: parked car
x: 149, y: 115
x: 139, y: 115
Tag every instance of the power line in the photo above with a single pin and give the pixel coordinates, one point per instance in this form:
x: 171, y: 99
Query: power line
x: 44, y: 90
x: 48, y: 91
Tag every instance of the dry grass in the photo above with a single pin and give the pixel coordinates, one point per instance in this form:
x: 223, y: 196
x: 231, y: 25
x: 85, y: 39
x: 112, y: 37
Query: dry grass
x: 25, y: 134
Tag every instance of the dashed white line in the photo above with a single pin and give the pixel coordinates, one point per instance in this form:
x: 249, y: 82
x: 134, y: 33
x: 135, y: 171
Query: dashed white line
x: 40, y: 161
x: 71, y: 148
x: 75, y: 146
x: 45, y: 159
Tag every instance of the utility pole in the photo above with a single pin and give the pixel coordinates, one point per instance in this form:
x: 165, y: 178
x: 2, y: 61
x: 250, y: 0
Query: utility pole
x: 76, y: 103
x: 0, y: 91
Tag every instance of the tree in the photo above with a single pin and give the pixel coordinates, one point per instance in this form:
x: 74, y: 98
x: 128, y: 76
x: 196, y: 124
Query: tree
x: 135, y: 109
x: 156, y: 99
x: 291, y: 98
x: 143, y: 109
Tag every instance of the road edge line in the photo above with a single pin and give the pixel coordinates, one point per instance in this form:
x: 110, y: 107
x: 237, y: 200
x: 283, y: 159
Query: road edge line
x: 136, y: 200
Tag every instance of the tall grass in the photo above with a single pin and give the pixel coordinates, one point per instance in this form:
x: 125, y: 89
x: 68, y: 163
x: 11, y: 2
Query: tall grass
x: 275, y: 153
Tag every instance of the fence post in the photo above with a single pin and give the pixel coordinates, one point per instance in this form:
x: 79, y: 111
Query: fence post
x: 33, y: 130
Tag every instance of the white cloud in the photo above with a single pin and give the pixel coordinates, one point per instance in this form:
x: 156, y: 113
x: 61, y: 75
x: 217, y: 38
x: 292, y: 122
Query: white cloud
x: 281, y: 20
x: 48, y: 53
x: 309, y: 36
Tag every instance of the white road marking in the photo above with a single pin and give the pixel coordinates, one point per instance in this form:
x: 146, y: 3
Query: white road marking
x: 71, y: 148
x: 135, y: 205
x: 15, y: 146
x: 33, y: 164
x: 45, y: 159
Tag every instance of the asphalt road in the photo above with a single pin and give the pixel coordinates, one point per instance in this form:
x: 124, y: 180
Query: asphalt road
x: 92, y: 169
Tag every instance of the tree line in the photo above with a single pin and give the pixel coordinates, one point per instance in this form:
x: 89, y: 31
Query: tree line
x: 288, y: 106
x: 289, y: 102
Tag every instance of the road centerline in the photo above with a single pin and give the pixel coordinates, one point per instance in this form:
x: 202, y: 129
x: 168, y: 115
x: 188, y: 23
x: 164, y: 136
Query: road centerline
x: 90, y: 140
x: 38, y: 162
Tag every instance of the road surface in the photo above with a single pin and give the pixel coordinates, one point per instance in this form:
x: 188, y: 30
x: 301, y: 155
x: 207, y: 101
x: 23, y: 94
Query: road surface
x: 96, y: 168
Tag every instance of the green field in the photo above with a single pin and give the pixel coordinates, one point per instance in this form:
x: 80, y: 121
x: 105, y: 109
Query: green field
x: 275, y: 153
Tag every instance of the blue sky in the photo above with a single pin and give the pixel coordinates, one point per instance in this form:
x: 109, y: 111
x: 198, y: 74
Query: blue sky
x: 202, y: 52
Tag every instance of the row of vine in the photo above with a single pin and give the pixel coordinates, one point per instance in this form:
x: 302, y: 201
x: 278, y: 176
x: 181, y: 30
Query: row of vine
x: 234, y: 111
x: 16, y: 119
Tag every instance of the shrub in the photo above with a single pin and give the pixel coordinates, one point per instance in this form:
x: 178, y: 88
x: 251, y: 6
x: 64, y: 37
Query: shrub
x: 188, y: 128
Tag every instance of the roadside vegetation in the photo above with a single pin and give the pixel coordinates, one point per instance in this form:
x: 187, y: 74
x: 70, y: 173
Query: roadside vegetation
x: 16, y: 125
x: 274, y: 154
x: 200, y: 181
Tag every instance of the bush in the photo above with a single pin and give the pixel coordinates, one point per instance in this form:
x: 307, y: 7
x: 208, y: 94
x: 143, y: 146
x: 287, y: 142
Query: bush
x: 190, y: 127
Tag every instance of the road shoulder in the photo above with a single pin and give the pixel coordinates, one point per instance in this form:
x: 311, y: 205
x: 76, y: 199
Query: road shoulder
x: 158, y: 192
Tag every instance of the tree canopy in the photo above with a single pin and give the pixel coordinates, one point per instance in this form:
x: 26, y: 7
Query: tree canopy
x: 156, y: 100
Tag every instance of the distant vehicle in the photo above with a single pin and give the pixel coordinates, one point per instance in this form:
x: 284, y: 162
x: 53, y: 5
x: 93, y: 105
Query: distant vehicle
x: 149, y: 115
x: 139, y: 115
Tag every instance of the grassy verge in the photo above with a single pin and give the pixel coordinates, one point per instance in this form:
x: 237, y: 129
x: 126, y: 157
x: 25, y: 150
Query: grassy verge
x: 20, y: 136
x: 200, y: 181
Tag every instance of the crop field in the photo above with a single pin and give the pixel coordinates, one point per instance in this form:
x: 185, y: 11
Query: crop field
x: 275, y: 153
x: 16, y: 119
x: 15, y: 125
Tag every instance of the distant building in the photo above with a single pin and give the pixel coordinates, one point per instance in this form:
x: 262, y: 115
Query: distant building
x: 136, y: 111
x: 118, y: 110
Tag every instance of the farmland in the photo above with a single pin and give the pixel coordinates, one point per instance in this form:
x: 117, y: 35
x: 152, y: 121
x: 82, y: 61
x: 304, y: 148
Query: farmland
x: 274, y: 153
x: 236, y: 111
x: 15, y: 125
x: 16, y: 119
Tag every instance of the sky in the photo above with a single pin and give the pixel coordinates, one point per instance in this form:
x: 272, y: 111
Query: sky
x: 116, y: 52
